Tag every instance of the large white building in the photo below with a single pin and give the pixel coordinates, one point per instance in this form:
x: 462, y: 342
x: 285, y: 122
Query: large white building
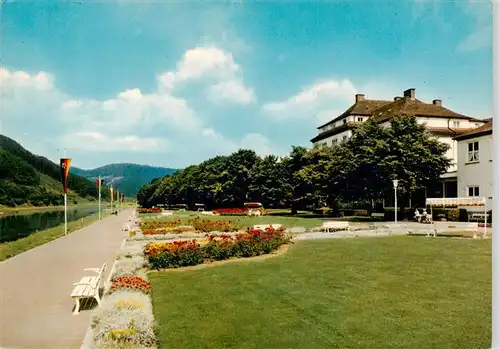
x: 442, y: 122
x: 475, y: 163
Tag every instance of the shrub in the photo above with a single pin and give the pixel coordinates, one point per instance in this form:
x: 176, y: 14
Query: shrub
x: 130, y: 282
x: 124, y: 320
x: 173, y: 254
x: 453, y: 214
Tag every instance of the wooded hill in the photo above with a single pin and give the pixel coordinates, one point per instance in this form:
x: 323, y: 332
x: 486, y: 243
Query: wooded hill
x: 29, y: 179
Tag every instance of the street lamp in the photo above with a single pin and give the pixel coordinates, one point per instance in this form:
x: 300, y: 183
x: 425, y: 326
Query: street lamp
x: 395, y: 184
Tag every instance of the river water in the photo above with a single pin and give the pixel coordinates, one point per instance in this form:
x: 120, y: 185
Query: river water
x: 16, y: 226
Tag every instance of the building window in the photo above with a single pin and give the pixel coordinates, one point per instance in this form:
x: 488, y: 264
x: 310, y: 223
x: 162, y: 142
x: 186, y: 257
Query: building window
x: 344, y: 138
x: 473, y: 153
x: 360, y: 119
x: 345, y: 121
x: 456, y: 123
x: 473, y: 191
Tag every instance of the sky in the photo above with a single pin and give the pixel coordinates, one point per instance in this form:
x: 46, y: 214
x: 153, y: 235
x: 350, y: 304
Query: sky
x: 174, y: 83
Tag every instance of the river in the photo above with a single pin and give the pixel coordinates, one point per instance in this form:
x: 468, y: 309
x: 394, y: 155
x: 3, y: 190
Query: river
x: 19, y: 225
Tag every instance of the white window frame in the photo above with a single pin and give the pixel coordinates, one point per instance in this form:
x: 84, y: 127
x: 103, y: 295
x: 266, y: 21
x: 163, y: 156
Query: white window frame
x: 456, y: 124
x: 475, y: 190
x: 473, y: 155
x: 360, y: 119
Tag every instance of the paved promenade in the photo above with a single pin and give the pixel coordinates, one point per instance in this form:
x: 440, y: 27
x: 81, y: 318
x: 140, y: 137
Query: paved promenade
x: 35, y: 286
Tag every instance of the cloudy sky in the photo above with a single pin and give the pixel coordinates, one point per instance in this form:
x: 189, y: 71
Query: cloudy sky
x: 172, y: 84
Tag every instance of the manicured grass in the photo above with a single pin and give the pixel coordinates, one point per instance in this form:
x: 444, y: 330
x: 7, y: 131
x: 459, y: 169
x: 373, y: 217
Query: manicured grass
x: 12, y: 248
x: 396, y: 292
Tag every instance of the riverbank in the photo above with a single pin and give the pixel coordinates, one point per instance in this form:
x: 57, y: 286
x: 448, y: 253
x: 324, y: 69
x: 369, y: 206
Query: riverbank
x: 13, y: 248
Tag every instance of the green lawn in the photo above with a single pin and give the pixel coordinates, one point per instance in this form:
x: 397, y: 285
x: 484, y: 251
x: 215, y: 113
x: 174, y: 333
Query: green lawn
x: 397, y: 292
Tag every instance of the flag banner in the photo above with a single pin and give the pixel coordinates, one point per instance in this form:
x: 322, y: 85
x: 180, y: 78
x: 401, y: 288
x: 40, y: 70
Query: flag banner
x: 98, y: 182
x: 65, y: 165
x: 111, y: 192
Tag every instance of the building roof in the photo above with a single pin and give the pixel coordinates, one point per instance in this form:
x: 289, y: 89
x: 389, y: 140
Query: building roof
x: 484, y: 130
x: 414, y: 107
x: 364, y: 107
x: 341, y: 128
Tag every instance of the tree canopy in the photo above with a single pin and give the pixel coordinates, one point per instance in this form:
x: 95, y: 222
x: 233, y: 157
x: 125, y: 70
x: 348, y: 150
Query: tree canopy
x: 359, y: 169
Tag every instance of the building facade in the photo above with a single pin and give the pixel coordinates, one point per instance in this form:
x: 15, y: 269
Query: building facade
x: 441, y: 122
x: 475, y: 164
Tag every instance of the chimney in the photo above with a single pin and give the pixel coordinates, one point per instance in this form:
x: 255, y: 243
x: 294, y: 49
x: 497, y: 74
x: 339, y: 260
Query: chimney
x: 410, y: 93
x: 360, y: 97
x: 397, y: 98
x: 437, y: 102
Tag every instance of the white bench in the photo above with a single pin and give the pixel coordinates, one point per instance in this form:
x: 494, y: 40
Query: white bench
x: 479, y: 216
x: 207, y: 213
x: 88, y: 287
x: 263, y: 227
x: 378, y: 215
x: 335, y: 225
x: 167, y: 213
x: 457, y: 227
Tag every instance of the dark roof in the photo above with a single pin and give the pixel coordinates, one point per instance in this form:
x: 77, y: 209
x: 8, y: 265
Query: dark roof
x: 364, y: 107
x: 414, y: 107
x: 445, y: 131
x: 486, y: 129
x: 336, y: 130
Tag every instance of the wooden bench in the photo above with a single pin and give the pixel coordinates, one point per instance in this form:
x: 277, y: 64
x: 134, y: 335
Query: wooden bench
x: 263, y: 227
x: 378, y: 215
x: 335, y: 225
x: 450, y: 227
x: 88, y: 287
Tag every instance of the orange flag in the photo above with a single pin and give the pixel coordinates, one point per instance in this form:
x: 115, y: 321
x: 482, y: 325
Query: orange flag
x: 65, y: 165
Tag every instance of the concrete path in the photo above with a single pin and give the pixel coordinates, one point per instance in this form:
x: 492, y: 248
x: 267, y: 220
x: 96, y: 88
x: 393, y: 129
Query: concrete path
x: 35, y: 286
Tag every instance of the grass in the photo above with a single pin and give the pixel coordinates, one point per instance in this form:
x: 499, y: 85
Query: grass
x: 13, y: 248
x: 396, y: 292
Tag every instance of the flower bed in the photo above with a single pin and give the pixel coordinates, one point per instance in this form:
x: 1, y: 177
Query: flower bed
x: 206, y: 225
x: 192, y: 252
x: 124, y: 320
x: 172, y: 230
x: 152, y: 225
x: 231, y: 211
x: 149, y: 210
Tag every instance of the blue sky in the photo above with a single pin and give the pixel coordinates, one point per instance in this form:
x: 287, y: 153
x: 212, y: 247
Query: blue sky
x: 172, y: 84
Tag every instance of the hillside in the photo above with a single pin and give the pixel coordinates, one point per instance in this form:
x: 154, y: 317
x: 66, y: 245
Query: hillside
x: 29, y: 179
x: 127, y: 178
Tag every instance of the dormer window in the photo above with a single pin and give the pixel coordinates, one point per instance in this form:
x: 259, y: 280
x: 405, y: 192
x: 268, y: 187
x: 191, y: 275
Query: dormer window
x: 360, y: 119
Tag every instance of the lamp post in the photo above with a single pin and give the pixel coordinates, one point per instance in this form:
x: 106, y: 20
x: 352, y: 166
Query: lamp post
x: 395, y: 184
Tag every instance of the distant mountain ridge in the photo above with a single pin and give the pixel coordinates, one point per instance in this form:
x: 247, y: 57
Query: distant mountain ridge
x: 128, y: 178
x: 29, y: 179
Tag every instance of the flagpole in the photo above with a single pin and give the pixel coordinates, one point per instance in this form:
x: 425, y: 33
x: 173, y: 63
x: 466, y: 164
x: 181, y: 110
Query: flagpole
x: 117, y: 200
x: 65, y: 213
x: 99, y: 188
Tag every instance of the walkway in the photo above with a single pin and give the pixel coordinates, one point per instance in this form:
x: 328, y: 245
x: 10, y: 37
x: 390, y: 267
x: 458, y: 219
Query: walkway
x: 35, y: 286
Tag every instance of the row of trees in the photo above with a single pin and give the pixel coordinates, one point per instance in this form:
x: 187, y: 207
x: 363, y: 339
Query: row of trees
x: 360, y: 169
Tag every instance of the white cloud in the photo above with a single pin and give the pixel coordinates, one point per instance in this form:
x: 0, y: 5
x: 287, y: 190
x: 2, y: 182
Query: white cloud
x: 313, y: 100
x: 96, y: 141
x: 132, y: 120
x: 232, y: 92
x: 198, y: 63
x: 210, y: 64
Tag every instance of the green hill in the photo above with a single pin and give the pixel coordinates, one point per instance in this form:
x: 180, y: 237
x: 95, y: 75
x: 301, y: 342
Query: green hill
x: 29, y: 179
x: 127, y: 178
